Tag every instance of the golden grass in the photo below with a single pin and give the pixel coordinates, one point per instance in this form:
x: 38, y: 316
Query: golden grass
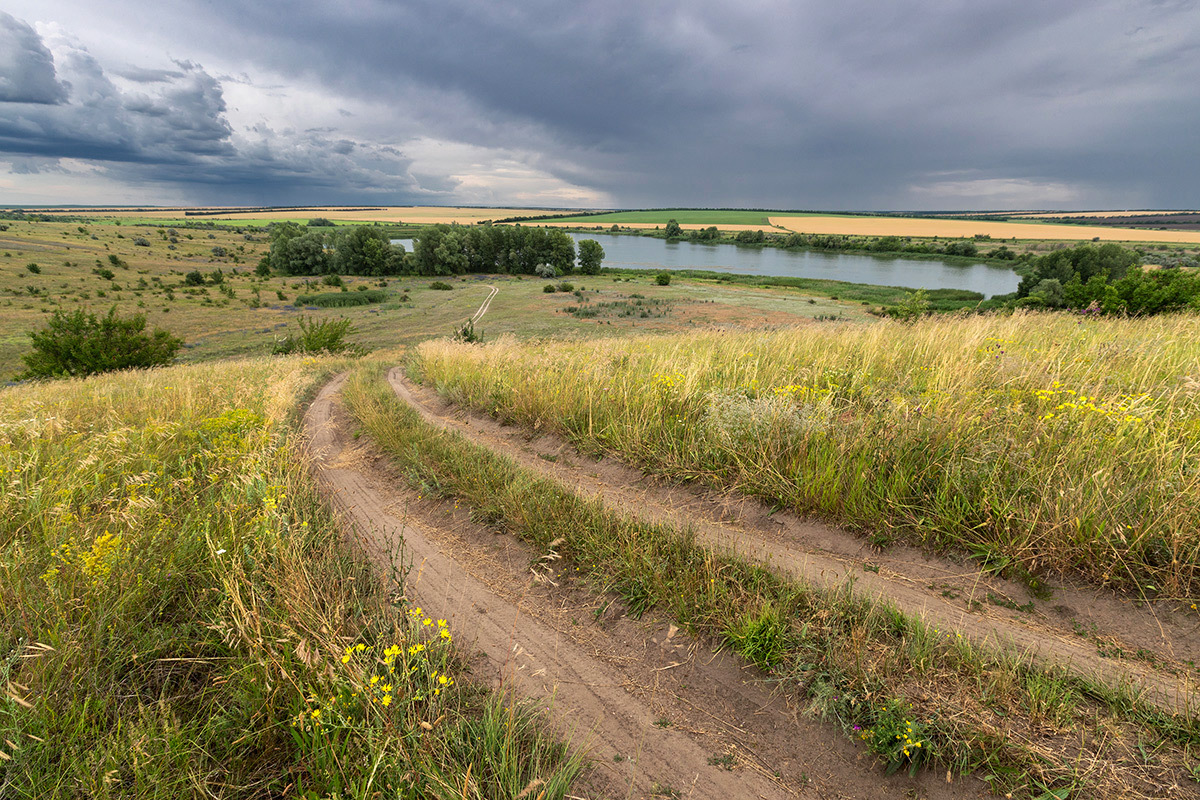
x: 1045, y: 442
x: 965, y: 229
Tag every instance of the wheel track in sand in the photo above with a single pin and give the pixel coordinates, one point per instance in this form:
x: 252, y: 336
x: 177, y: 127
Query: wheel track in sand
x: 955, y: 598
x: 609, y: 677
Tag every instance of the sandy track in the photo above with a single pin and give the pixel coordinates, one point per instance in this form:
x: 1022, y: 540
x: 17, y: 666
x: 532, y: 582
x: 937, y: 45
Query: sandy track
x: 485, y: 305
x: 643, y: 691
x: 1072, y: 629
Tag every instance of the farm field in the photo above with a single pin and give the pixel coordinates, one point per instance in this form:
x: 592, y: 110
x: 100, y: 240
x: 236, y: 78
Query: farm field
x: 954, y: 228
x: 962, y: 550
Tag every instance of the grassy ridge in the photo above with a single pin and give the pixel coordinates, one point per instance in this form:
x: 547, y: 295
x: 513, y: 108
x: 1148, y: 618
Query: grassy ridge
x: 915, y: 696
x: 684, y: 216
x: 1034, y: 442
x: 179, y: 615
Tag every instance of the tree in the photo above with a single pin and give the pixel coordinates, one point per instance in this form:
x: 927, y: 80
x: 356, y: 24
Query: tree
x: 673, y: 230
x: 80, y: 344
x: 591, y: 254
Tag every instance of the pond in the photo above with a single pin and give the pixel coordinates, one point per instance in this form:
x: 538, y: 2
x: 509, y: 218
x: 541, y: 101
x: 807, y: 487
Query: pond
x: 647, y: 252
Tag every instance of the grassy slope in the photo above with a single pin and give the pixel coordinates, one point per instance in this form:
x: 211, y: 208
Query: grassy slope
x: 862, y: 665
x: 1034, y: 442
x: 178, y: 614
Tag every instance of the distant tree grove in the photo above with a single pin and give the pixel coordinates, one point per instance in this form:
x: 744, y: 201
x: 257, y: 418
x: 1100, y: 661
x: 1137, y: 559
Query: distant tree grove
x: 438, y: 250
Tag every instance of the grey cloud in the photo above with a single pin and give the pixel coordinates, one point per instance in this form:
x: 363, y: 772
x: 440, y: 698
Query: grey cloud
x: 26, y: 66
x: 694, y: 102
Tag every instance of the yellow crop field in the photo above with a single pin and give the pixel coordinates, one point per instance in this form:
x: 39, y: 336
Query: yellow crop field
x: 955, y: 228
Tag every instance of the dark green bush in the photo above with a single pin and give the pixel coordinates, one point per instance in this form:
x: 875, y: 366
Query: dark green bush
x: 319, y: 336
x: 79, y: 344
x: 441, y: 286
x: 341, y: 299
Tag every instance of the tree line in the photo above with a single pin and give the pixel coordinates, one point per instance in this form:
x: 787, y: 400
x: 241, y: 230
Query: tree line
x: 438, y: 250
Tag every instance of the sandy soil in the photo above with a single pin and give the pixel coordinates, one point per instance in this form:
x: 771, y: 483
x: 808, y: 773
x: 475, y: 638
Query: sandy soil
x: 1072, y: 629
x: 651, y: 706
x: 954, y: 228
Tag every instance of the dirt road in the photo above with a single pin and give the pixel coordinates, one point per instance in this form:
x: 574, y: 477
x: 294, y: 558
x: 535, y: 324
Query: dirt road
x: 661, y: 715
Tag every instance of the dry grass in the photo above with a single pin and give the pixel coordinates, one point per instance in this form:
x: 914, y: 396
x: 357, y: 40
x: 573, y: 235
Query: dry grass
x: 1034, y: 442
x: 965, y: 229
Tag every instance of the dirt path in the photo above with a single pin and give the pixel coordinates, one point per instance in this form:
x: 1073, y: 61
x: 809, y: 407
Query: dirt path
x: 660, y: 714
x: 487, y: 303
x: 1090, y: 631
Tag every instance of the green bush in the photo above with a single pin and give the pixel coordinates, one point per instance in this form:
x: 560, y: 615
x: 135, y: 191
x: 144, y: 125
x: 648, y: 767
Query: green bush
x: 549, y: 288
x: 341, y: 299
x: 319, y: 336
x: 441, y: 286
x: 80, y: 344
x: 663, y: 279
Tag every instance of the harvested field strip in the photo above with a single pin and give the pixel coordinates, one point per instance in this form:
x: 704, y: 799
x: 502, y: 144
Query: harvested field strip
x: 966, y: 229
x: 863, y: 666
x: 1039, y: 444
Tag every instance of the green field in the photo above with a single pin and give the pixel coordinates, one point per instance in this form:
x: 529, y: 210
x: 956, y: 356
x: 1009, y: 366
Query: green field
x: 684, y: 216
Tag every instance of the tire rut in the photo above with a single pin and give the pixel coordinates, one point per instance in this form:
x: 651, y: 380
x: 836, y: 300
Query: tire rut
x: 1080, y: 629
x: 657, y: 710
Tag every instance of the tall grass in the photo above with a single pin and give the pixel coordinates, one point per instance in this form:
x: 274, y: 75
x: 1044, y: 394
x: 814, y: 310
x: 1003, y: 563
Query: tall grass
x: 913, y: 694
x: 180, y: 616
x: 1035, y: 442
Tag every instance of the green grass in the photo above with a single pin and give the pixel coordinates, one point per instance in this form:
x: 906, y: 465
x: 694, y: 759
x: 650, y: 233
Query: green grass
x: 684, y: 216
x: 868, y: 669
x: 180, y: 615
x: 341, y: 299
x: 1036, y: 443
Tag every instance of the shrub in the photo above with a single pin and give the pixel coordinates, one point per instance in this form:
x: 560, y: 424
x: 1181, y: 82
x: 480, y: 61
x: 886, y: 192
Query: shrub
x: 549, y: 288
x: 319, y: 336
x: 341, y: 299
x: 80, y: 344
x: 441, y: 286
x: 141, y: 241
x: 333, y: 280
x: 663, y: 279
x: 34, y: 268
x: 545, y: 271
x: 566, y: 287
x: 220, y: 252
x: 194, y: 278
x: 466, y: 333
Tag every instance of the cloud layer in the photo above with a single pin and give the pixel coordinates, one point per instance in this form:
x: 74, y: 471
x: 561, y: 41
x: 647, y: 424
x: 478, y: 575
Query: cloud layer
x: 911, y: 104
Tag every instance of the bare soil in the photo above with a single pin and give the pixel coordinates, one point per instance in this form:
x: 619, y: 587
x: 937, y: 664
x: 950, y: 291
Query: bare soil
x: 661, y: 714
x: 1118, y: 640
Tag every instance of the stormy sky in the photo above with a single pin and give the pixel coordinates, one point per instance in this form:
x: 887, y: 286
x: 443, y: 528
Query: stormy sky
x: 908, y: 104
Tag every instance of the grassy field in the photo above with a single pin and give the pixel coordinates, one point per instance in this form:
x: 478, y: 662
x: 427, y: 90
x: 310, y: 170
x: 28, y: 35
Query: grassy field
x: 1033, y: 442
x: 684, y: 216
x: 245, y: 314
x: 180, y: 615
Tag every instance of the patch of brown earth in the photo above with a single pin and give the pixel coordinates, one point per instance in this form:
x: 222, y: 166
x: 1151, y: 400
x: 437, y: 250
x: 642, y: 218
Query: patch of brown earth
x: 660, y: 713
x: 1119, y: 641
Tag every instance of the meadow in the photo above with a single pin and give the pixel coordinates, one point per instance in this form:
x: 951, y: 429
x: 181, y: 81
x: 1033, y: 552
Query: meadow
x: 181, y: 615
x: 1036, y: 443
x: 244, y: 314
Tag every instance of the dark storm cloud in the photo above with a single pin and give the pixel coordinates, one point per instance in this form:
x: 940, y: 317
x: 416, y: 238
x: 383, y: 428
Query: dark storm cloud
x: 26, y: 66
x: 698, y: 102
x: 171, y: 129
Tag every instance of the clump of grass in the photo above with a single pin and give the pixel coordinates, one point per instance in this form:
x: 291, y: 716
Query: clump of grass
x: 864, y: 666
x: 179, y: 613
x: 1055, y: 443
x: 363, y: 297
